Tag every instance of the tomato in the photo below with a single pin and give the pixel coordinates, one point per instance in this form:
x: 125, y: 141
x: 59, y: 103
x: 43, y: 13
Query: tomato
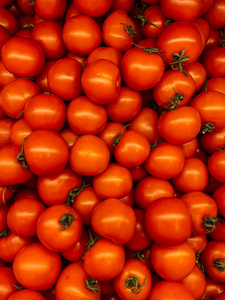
x: 212, y: 259
x: 3, y: 213
x: 42, y: 79
x: 190, y: 148
x: 95, y: 162
x: 216, y: 166
x: 203, y: 211
x: 105, y: 260
x: 109, y: 53
x: 26, y: 294
x: 197, y: 242
x: 36, y: 267
x: 198, y: 73
x: 219, y: 231
x: 8, y: 21
x: 69, y: 136
x: 150, y: 189
x: 59, y: 227
x: 71, y: 11
x: 19, y: 131
x: 6, y: 194
x: 26, y: 192
x: 25, y: 33
x: 134, y: 281
x: 216, y: 84
x: 204, y: 29
x: 75, y: 283
x: 212, y: 141
x: 165, y: 161
x: 214, y: 39
x: 48, y: 34
x: 218, y: 196
x: 27, y: 8
x: 85, y: 116
x: 53, y: 11
x: 115, y: 182
x: 220, y: 296
x: 213, y: 62
x: 81, y: 34
x: 23, y: 215
x: 103, y: 75
x: 8, y: 283
x: 97, y: 9
x: 46, y: 146
x: 64, y: 78
x: 5, y: 129
x: 214, y: 288
x: 114, y: 220
x: 15, y: 94
x: 138, y: 172
x: 215, y: 16
x: 125, y: 5
x: 148, y: 65
x: 23, y: 57
x: 186, y: 118
x: 162, y: 218
x: 5, y: 76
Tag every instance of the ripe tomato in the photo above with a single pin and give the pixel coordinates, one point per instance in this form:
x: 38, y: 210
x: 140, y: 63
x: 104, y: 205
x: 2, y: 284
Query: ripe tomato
x: 36, y: 267
x: 53, y: 11
x: 212, y: 141
x: 190, y: 148
x: 75, y: 283
x: 95, y: 10
x: 214, y: 288
x: 8, y: 21
x: 114, y: 220
x: 134, y: 281
x: 59, y: 227
x: 5, y: 129
x: 162, y: 218
x: 218, y: 233
x: 197, y: 242
x: 69, y: 136
x: 215, y: 15
x: 198, y: 73
x: 213, y: 61
x: 8, y: 283
x: 109, y: 53
x: 42, y: 79
x: 5, y: 76
x: 218, y: 196
x: 6, y: 194
x: 216, y: 84
x: 26, y: 294
x: 19, y: 131
x: 220, y: 296
x: 216, y: 166
x: 23, y: 57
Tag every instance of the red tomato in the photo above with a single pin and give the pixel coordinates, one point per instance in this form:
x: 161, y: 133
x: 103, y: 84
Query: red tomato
x: 89, y: 155
x: 26, y: 7
x: 49, y: 147
x: 36, y: 267
x: 69, y: 136
x: 75, y: 283
x: 220, y: 296
x: 105, y: 260
x: 64, y: 78
x: 216, y: 166
x: 214, y: 288
x: 71, y: 11
x: 95, y: 10
x: 59, y: 227
x: 114, y: 220
x: 215, y: 15
x: 214, y: 39
x: 3, y: 214
x: 198, y: 73
x: 134, y: 281
x: 53, y: 11
x: 5, y: 76
x: 216, y: 84
x: 125, y: 5
x: 42, y: 79
x: 168, y: 222
x: 197, y: 242
x: 190, y: 148
x: 212, y: 141
x: 23, y: 215
x: 218, y: 196
x: 5, y: 129
x: 219, y: 232
x: 8, y: 283
x: 56, y: 189
x: 150, y: 189
x: 23, y: 57
x: 115, y: 182
x: 101, y: 75
x: 204, y: 29
x: 85, y: 116
x: 109, y: 53
x: 8, y: 21
x: 138, y: 172
x: 81, y: 34
x: 213, y: 61
x: 203, y: 211
x: 26, y: 294
x: 6, y: 194
x: 19, y: 131
x: 129, y: 198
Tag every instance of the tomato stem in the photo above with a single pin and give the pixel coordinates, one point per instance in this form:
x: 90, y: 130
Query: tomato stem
x: 209, y: 127
x: 174, y: 102
x: 133, y: 283
x: 178, y: 60
x: 73, y: 193
x: 209, y: 223
x: 140, y: 256
x: 148, y: 50
x: 219, y: 264
x: 144, y: 20
x: 21, y: 157
x: 169, y: 22
x: 66, y: 221
x: 156, y: 144
x: 118, y: 137
x: 4, y: 233
x: 129, y: 29
x: 199, y: 265
x: 92, y: 285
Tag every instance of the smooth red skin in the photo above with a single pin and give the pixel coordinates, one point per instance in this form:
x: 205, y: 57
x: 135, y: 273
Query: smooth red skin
x: 6, y: 194
x: 26, y: 294
x: 55, y: 189
x: 219, y: 232
x: 23, y: 57
x: 42, y: 79
x: 71, y: 11
x: 77, y: 252
x: 19, y: 131
x: 86, y: 117
x: 215, y: 16
x: 94, y: 163
x: 212, y: 141
x: 3, y: 214
x: 198, y: 73
x: 197, y: 242
x: 15, y: 94
x: 26, y: 22
x: 25, y: 33
x: 53, y: 11
x: 5, y: 129
x: 104, y: 252
x: 47, y: 266
x: 170, y: 290
x: 81, y: 34
x: 212, y: 185
x: 8, y: 21
x: 5, y: 76
x: 4, y: 36
x: 26, y: 8
x: 85, y: 203
x: 115, y: 182
x: 26, y: 192
x: 146, y: 122
x: 220, y: 297
x: 139, y: 269
x: 109, y: 53
x: 107, y: 288
x: 214, y: 39
x: 64, y: 78
x: 49, y: 232
x: 94, y: 10
x: 214, y: 288
x: 216, y: 166
x: 165, y: 161
x: 125, y: 5
x: 200, y: 205
x: 195, y: 283
x: 138, y: 172
x: 140, y: 239
x: 129, y: 198
x: 186, y: 118
x: 190, y: 148
x: 114, y: 220
x: 172, y: 263
x: 103, y: 75
x: 201, y: 154
x: 11, y: 245
x: 69, y: 136
x: 162, y: 218
x: 216, y: 84
x: 6, y: 2
x: 7, y: 282
x: 149, y: 67
x: 213, y: 61
x: 79, y: 57
x: 219, y: 196
x: 214, y: 250
x: 126, y: 106
x: 49, y: 142
x: 11, y: 171
x: 23, y: 215
x: 71, y: 284
x: 45, y: 111
x: 150, y: 189
x: 193, y: 177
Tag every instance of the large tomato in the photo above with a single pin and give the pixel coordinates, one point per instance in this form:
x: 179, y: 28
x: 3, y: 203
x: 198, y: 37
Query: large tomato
x: 94, y: 9
x: 216, y: 165
x: 27, y: 294
x: 215, y: 15
x: 213, y: 62
x: 53, y: 11
x: 8, y: 283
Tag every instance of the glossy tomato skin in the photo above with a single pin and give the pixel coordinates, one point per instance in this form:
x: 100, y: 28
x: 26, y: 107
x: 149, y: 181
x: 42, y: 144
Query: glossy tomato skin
x: 50, y: 142
x: 218, y: 196
x: 69, y: 136
x: 53, y: 11
x: 94, y: 10
x: 5, y: 129
x: 197, y: 242
x: 19, y: 131
x: 23, y: 57
x: 5, y: 75
x: 162, y: 218
x: 213, y: 62
x: 198, y: 73
x: 212, y: 141
x: 149, y: 66
x: 109, y: 53
x: 216, y: 166
x: 27, y: 294
x: 215, y: 15
x: 216, y: 84
x: 8, y: 283
x: 46, y: 263
x: 71, y: 284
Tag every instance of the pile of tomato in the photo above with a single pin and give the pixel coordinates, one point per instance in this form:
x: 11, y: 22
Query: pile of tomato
x: 112, y: 150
